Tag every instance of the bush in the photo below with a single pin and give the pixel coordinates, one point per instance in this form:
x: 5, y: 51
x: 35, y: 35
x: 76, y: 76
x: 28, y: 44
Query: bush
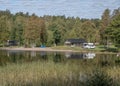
x: 1, y: 45
x: 117, y: 45
x: 99, y: 78
x: 112, y: 49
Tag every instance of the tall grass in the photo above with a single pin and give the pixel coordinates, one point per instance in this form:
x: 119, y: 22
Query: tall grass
x: 36, y: 73
x: 51, y: 74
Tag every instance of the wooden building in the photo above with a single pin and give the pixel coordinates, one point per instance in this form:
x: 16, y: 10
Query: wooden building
x: 75, y: 42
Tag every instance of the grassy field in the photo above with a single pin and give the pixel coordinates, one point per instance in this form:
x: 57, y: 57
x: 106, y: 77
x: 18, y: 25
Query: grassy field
x: 58, y: 74
x: 98, y: 49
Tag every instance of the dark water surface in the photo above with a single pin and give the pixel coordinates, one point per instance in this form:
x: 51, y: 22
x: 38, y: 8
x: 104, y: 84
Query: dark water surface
x: 11, y: 56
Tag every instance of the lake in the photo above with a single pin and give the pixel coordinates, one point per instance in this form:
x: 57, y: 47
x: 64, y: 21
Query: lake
x: 12, y: 56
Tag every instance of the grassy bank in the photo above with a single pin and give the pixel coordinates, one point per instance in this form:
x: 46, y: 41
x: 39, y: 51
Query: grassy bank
x: 54, y: 74
x: 98, y: 49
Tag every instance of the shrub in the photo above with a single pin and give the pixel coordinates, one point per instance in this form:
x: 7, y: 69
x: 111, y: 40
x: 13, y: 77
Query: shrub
x: 99, y: 78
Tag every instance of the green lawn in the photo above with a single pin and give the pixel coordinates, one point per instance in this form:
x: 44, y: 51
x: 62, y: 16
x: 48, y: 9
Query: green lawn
x: 99, y: 48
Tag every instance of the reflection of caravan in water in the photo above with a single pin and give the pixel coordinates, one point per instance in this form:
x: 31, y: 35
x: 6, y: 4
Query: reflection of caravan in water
x: 80, y: 55
x: 89, y: 55
x: 88, y: 45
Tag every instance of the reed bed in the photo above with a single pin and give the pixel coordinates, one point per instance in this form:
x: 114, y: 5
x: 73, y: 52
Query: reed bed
x: 51, y: 74
x: 35, y: 73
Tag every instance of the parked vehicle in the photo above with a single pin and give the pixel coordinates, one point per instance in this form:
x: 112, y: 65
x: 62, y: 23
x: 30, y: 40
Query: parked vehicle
x: 88, y: 45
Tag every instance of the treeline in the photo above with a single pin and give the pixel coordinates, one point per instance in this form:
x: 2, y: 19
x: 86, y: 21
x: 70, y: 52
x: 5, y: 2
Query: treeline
x: 48, y: 30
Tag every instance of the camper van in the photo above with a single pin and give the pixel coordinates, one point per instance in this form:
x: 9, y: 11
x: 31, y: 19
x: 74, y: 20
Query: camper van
x: 88, y: 45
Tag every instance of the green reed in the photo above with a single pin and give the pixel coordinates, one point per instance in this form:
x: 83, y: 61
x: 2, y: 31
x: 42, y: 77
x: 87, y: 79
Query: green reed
x: 49, y: 73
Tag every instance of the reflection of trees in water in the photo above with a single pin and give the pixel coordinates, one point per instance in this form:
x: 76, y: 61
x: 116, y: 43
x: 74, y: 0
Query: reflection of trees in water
x: 117, y: 61
x: 16, y: 56
x: 105, y: 60
x: 58, y: 57
x: 74, y: 55
x: 33, y: 53
x: 44, y: 55
x: 7, y: 57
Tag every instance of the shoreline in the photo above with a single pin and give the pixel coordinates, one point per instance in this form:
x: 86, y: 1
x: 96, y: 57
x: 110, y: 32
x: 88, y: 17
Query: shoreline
x: 48, y: 49
x: 35, y: 49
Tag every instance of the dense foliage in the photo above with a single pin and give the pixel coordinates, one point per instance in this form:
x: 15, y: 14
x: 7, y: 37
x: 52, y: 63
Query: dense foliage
x: 113, y: 31
x: 33, y: 30
x: 100, y: 78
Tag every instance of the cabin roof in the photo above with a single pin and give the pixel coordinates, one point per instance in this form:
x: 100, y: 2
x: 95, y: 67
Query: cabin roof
x: 76, y: 40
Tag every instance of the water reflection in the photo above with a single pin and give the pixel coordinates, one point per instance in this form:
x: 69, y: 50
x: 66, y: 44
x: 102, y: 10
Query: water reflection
x: 89, y: 55
x: 80, y: 55
x: 13, y: 53
x: 43, y: 55
x: 7, y: 57
x: 33, y: 53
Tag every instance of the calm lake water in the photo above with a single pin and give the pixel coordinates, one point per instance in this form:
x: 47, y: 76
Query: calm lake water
x: 11, y: 56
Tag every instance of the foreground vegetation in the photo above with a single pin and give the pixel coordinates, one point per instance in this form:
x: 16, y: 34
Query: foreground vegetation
x: 70, y: 73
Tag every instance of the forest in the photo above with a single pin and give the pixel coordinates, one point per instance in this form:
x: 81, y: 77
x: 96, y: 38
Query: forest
x: 49, y: 30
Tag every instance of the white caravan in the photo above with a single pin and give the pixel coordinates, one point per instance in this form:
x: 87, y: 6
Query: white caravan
x: 88, y: 45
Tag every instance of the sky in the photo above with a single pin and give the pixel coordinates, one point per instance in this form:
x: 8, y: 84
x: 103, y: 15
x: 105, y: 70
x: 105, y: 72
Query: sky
x: 72, y: 8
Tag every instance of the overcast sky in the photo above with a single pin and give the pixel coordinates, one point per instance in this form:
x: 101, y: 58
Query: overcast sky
x: 80, y: 8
